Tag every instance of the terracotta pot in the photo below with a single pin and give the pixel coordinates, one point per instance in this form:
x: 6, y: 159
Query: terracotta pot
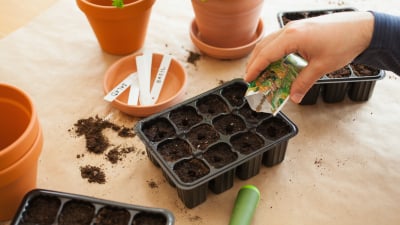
x: 20, y: 146
x: 119, y: 31
x: 19, y: 124
x: 227, y: 23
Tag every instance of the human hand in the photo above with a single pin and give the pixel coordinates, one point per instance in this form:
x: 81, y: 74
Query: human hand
x: 327, y: 43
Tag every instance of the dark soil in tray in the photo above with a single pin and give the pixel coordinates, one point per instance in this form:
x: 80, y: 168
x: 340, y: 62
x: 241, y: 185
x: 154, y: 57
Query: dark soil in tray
x: 159, y: 130
x: 229, y: 124
x: 42, y: 210
x: 185, y: 117
x: 273, y: 128
x: 247, y: 142
x: 172, y: 150
x: 149, y: 219
x: 234, y: 94
x: 364, y: 70
x: 342, y: 72
x: 202, y: 136
x: 191, y: 170
x: 76, y: 212
x: 212, y: 105
x: 251, y: 115
x: 220, y: 155
x: 112, y: 216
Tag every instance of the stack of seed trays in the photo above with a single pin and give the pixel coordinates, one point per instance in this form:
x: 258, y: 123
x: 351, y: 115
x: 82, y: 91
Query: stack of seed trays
x: 355, y: 80
x: 46, y: 207
x: 205, y: 142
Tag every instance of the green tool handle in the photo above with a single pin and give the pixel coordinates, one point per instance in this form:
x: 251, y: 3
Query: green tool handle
x: 245, y: 205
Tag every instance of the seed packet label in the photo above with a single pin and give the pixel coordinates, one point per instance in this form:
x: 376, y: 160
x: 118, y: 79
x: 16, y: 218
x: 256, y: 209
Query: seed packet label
x: 133, y: 97
x: 119, y: 89
x: 159, y: 80
x: 270, y: 91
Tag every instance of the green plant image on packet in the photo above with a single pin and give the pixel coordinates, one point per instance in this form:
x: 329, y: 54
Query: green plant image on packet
x: 270, y: 90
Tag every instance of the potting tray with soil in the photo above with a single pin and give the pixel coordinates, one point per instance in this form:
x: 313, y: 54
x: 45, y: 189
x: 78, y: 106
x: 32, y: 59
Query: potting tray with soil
x: 45, y: 207
x: 208, y: 140
x: 355, y: 80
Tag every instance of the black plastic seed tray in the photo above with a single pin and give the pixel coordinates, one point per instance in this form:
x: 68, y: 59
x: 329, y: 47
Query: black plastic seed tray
x: 46, y: 207
x: 208, y: 140
x: 355, y: 80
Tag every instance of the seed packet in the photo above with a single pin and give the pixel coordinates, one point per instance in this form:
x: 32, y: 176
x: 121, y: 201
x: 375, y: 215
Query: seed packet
x: 270, y: 90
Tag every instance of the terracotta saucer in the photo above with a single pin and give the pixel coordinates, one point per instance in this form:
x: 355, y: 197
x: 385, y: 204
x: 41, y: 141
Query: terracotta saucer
x: 172, y: 91
x: 225, y: 53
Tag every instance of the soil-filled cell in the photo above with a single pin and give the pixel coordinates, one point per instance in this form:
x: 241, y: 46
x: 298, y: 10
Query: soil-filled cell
x: 76, y: 212
x: 273, y: 128
x: 212, y: 105
x: 287, y: 17
x: 191, y: 170
x: 42, y: 210
x: 340, y: 73
x: 247, y: 142
x: 158, y: 129
x: 364, y: 70
x: 202, y: 136
x: 220, y: 155
x: 229, y: 124
x: 234, y: 94
x: 251, y: 115
x: 149, y: 219
x: 112, y: 216
x: 185, y: 117
x: 172, y: 150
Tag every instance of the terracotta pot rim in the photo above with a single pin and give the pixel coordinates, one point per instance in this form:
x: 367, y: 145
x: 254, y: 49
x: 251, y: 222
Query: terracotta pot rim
x: 30, y: 133
x: 10, y: 173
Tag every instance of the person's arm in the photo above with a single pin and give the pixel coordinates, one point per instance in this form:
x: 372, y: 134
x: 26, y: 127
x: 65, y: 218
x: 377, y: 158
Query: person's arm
x: 384, y: 49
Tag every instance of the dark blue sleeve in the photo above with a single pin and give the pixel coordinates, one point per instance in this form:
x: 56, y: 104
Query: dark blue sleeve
x: 384, y: 49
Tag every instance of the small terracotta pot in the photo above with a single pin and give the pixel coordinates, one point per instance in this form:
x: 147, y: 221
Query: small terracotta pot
x: 19, y: 124
x: 20, y: 145
x: 227, y: 23
x: 119, y: 31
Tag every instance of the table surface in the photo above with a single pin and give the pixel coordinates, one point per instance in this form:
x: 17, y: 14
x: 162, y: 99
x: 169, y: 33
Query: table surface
x: 341, y: 168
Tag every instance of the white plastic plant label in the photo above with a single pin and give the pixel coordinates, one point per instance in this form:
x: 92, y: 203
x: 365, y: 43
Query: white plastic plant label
x: 270, y: 90
x: 143, y: 64
x: 159, y: 80
x: 119, y: 89
x: 133, y: 96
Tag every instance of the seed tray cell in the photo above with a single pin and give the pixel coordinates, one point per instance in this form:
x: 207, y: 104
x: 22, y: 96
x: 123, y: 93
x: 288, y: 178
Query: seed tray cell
x: 46, y: 207
x: 205, y: 142
x: 357, y: 81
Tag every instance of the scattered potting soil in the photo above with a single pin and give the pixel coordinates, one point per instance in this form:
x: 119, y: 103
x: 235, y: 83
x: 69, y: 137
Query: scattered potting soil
x: 116, y: 154
x: 159, y: 130
x: 212, y: 104
x: 191, y: 170
x: 42, y: 210
x: 220, y: 155
x: 92, y: 129
x: 112, y: 216
x: 193, y: 57
x: 94, y: 174
x: 76, y: 212
x: 247, y: 142
x: 185, y: 117
x: 175, y: 149
x: 229, y: 124
x: 342, y: 72
x: 202, y: 136
x: 149, y: 219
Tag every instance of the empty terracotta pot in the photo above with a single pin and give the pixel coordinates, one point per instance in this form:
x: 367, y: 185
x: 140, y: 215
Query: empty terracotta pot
x: 227, y: 23
x: 119, y: 31
x: 21, y: 142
